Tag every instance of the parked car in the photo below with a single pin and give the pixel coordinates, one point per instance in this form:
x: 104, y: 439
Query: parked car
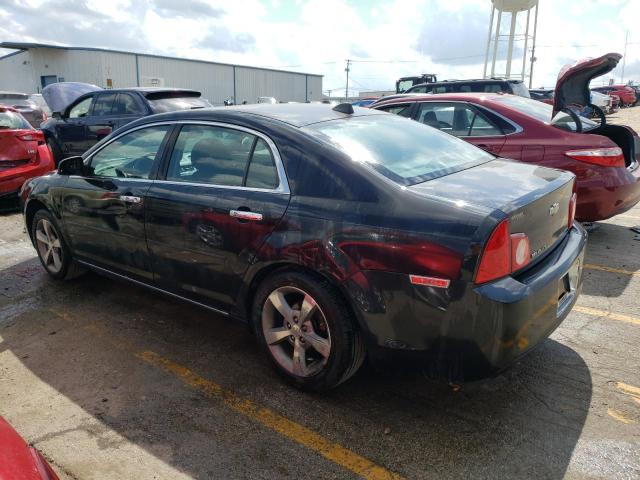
x: 605, y: 158
x: 267, y: 100
x: 488, y: 85
x: 615, y: 103
x: 365, y: 102
x: 627, y: 94
x: 542, y: 95
x: 19, y: 460
x: 636, y: 89
x: 23, y: 152
x: 84, y: 114
x: 336, y: 232
x: 39, y: 100
x: 22, y: 102
x: 602, y: 101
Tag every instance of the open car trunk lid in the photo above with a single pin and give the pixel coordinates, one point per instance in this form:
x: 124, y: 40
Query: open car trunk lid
x: 536, y: 199
x: 572, y: 86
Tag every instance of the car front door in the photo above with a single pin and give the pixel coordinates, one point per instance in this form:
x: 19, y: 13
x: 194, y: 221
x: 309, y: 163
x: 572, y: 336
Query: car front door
x: 464, y: 121
x: 72, y: 128
x: 223, y: 193
x: 101, y: 122
x: 103, y: 210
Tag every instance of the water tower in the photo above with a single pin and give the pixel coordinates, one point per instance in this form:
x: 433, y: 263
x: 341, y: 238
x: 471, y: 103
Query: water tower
x: 517, y: 32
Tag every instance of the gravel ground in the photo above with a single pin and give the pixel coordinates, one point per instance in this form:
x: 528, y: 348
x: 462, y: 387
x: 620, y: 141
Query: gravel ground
x: 111, y: 381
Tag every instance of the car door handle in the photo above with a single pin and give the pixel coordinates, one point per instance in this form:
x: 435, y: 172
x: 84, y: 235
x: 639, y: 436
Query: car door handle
x: 130, y: 199
x: 246, y: 215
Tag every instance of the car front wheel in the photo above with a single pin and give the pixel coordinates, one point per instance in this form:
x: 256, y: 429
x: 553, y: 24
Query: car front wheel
x: 52, y: 250
x: 307, y: 330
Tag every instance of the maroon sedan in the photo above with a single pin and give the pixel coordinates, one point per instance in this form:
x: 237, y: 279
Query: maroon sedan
x: 605, y: 158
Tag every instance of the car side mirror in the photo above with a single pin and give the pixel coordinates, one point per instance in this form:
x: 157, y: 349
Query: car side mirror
x: 71, y: 166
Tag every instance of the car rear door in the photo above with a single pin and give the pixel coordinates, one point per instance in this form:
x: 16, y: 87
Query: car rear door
x: 221, y: 195
x: 462, y: 120
x: 103, y: 210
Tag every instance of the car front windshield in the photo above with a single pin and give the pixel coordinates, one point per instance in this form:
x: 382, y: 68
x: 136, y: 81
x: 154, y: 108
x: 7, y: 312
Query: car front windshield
x: 403, y: 150
x: 543, y: 112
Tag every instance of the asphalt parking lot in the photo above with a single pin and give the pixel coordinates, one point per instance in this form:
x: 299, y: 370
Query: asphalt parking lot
x: 111, y: 381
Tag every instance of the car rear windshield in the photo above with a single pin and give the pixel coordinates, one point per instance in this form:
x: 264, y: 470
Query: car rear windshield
x: 543, y: 112
x: 13, y: 121
x: 162, y: 105
x: 403, y: 150
x: 518, y: 88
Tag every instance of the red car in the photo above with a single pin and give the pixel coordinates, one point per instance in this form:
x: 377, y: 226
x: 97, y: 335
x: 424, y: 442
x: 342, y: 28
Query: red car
x: 627, y: 94
x: 23, y: 152
x: 18, y: 460
x: 605, y: 158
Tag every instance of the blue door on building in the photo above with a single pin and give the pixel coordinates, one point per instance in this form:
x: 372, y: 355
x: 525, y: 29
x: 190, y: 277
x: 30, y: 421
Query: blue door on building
x: 48, y: 80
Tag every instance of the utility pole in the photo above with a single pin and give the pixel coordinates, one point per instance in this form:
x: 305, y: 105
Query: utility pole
x: 346, y: 90
x: 624, y: 57
x: 533, y: 46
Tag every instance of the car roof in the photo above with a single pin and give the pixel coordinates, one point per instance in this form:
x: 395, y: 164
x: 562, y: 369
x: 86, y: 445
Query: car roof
x: 145, y: 90
x: 435, y: 97
x: 296, y: 114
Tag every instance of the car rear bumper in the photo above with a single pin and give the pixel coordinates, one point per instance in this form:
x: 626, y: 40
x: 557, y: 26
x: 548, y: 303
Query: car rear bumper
x: 464, y: 333
x: 608, y: 196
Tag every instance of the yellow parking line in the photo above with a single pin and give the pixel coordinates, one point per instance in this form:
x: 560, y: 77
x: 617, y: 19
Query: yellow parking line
x: 603, y: 313
x: 629, y: 390
x: 602, y: 268
x: 270, y: 419
x: 619, y: 416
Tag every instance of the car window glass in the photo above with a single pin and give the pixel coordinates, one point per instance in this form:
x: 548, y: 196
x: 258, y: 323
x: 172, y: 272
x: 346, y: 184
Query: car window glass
x: 403, y: 110
x: 13, y: 121
x: 213, y: 155
x: 81, y: 109
x: 492, y: 88
x: 518, y: 88
x: 404, y: 85
x: 131, y: 155
x: 440, y: 89
x: 464, y: 88
x: 262, y: 169
x: 103, y: 104
x: 422, y: 89
x: 403, y: 150
x: 457, y: 119
x: 127, y: 105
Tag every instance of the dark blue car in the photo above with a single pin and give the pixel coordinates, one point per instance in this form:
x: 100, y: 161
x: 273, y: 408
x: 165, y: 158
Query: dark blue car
x: 84, y: 114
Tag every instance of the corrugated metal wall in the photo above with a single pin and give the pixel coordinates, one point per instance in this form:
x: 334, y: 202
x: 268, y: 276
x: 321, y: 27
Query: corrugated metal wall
x: 23, y: 72
x: 214, y: 81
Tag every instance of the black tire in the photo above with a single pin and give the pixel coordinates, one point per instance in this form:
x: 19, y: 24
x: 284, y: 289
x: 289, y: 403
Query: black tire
x: 55, y: 150
x: 347, y: 350
x: 68, y: 267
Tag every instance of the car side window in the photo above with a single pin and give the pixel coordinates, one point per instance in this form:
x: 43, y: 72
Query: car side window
x: 262, y: 171
x: 404, y: 110
x: 81, y: 110
x: 213, y: 155
x: 126, y: 104
x: 457, y: 119
x: 103, y: 104
x: 130, y: 156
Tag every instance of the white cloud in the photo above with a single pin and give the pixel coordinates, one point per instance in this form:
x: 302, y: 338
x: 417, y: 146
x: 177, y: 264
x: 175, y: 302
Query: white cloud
x: 420, y: 36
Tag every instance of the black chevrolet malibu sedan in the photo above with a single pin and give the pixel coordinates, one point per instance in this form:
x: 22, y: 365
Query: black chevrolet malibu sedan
x: 335, y: 233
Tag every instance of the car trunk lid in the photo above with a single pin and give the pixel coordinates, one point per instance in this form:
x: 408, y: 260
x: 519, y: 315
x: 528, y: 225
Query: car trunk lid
x: 18, y: 147
x: 572, y: 86
x: 60, y: 95
x: 535, y: 199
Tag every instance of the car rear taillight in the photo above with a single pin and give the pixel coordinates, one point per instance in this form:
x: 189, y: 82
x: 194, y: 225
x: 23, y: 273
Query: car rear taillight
x: 606, y: 157
x: 503, y: 254
x: 572, y: 209
x: 32, y: 136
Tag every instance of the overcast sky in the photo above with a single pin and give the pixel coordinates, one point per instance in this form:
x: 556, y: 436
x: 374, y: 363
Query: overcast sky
x: 386, y: 39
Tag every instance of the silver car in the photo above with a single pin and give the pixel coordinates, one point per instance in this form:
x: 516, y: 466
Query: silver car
x: 29, y: 109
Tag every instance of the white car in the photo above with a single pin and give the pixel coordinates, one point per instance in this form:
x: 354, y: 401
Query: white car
x: 601, y: 100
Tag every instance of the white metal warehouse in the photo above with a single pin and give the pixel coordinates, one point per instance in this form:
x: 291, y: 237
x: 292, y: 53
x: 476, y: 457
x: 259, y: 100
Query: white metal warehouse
x: 35, y: 65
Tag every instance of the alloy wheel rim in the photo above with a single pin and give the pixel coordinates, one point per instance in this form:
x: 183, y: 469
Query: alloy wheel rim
x: 296, y: 331
x: 49, y: 247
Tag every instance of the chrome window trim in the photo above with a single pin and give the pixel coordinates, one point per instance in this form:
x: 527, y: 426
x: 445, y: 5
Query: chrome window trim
x: 283, y: 182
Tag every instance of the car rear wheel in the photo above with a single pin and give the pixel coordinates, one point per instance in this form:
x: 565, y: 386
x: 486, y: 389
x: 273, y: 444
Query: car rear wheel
x: 53, y: 252
x: 307, y: 331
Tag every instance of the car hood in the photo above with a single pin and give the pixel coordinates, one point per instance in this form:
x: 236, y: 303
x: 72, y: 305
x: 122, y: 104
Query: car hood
x: 60, y: 95
x: 572, y: 86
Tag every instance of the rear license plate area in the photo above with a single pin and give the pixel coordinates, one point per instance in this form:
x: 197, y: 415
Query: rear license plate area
x: 567, y: 287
